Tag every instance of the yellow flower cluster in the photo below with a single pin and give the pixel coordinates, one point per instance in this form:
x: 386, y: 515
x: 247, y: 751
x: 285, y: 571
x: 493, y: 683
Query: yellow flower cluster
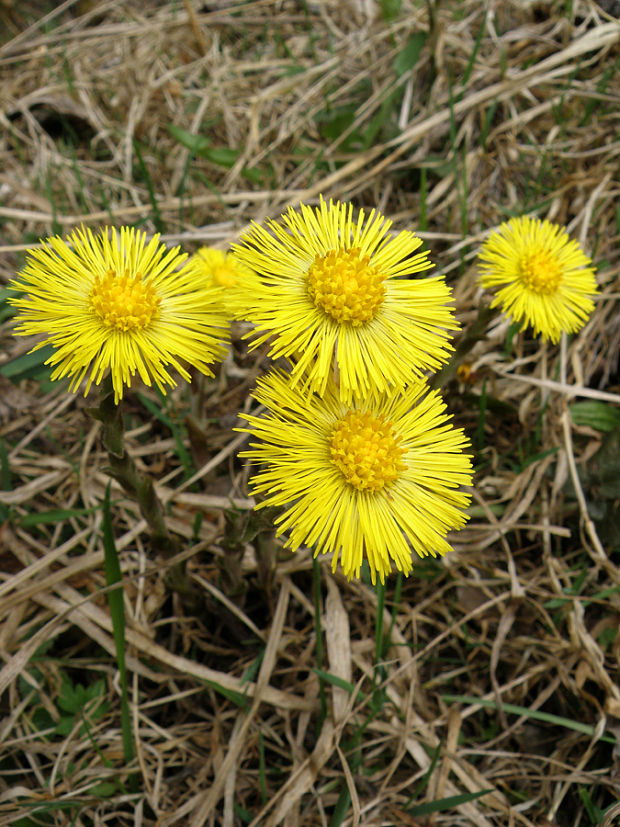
x: 356, y: 451
x: 353, y: 447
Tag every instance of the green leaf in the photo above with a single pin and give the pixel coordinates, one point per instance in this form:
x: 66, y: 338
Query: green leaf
x: 390, y: 9
x: 380, y: 120
x: 539, y: 455
x: 341, y: 809
x: 423, y: 783
x: 28, y: 364
x: 595, y: 814
x: 236, y: 697
x: 472, y: 57
x: 195, y: 143
x: 339, y: 682
x: 535, y: 714
x: 146, y: 176
x: 80, y: 702
x: 252, y: 670
x: 67, y: 722
x: 408, y: 57
x: 6, y: 310
x: 222, y: 155
x: 332, y: 124
x: 56, y: 515
x: 257, y: 176
x: 446, y: 803
x: 104, y: 789
x: 597, y: 415
x: 73, y: 699
x: 177, y: 433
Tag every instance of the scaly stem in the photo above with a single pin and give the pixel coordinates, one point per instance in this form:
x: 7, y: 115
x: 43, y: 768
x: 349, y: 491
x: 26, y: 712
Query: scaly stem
x: 123, y: 469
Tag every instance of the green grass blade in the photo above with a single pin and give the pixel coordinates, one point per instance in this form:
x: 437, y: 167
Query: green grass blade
x: 197, y: 144
x: 334, y: 680
x: 163, y: 417
x: 55, y: 515
x: 445, y: 803
x: 425, y: 779
x: 29, y: 365
x: 6, y: 310
x: 472, y: 58
x: 342, y: 808
x: 535, y: 714
x: 237, y: 698
x: 144, y: 172
x: 117, y: 613
x: 410, y: 54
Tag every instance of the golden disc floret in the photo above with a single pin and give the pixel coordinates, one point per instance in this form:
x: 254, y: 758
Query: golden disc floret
x: 366, y: 450
x: 346, y: 286
x: 540, y: 271
x: 124, y: 302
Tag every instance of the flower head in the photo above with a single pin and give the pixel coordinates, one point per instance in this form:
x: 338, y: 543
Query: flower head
x: 369, y: 479
x: 113, y: 302
x: 544, y: 277
x: 230, y: 277
x: 331, y: 296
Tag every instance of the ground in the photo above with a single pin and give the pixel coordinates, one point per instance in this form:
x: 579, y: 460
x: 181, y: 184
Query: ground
x: 481, y: 690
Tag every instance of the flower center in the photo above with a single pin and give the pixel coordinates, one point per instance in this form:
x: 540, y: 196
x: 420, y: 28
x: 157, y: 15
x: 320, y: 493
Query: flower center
x: 540, y: 272
x: 224, y: 276
x: 346, y: 286
x: 124, y: 302
x: 364, y: 448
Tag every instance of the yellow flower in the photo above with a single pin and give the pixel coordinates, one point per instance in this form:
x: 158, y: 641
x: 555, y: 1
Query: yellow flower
x: 330, y: 293
x: 230, y: 277
x: 545, y: 278
x: 113, y: 302
x: 374, y: 478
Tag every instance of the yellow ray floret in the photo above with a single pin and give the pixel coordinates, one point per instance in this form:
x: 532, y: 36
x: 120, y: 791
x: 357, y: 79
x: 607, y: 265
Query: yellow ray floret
x: 338, y: 294
x: 112, y: 302
x: 376, y: 479
x: 544, y: 277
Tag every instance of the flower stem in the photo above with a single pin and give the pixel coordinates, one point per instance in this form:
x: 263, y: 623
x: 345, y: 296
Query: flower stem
x: 123, y: 469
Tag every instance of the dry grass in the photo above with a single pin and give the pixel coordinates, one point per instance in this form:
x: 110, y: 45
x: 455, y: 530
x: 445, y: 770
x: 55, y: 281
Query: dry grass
x: 508, y: 109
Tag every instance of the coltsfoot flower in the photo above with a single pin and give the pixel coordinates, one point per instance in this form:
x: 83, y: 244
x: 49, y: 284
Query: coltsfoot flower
x: 371, y: 479
x: 230, y: 277
x: 112, y: 302
x: 544, y: 277
x: 336, y: 296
